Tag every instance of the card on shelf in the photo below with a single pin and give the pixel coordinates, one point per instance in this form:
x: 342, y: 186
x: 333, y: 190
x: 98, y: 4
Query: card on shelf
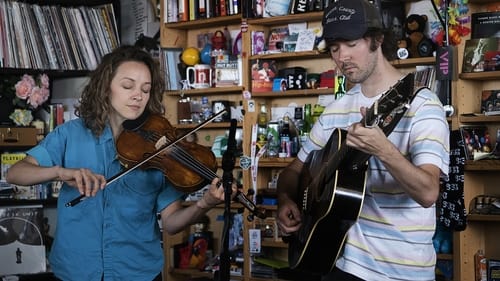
x: 477, y: 141
x: 481, y: 55
x: 490, y: 102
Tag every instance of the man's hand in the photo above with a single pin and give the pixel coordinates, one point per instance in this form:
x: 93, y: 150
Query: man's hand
x: 289, y: 219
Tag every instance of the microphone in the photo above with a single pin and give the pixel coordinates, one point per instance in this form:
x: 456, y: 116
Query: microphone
x: 231, y: 148
x: 228, y: 158
x: 228, y: 161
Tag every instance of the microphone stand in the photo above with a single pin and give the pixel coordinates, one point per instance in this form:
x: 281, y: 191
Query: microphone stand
x: 228, y: 161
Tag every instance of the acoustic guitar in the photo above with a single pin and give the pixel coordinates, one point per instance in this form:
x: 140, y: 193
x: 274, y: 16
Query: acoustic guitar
x: 332, y: 186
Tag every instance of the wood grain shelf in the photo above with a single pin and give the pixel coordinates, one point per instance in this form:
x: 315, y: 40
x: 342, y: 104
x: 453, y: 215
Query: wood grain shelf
x: 314, y: 54
x: 482, y: 165
x: 312, y: 16
x: 294, y: 93
x: 194, y: 273
x: 480, y: 76
x: 275, y: 162
x: 274, y: 244
x: 478, y: 118
x: 483, y: 218
x: 205, y: 23
x: 207, y: 91
x: 213, y: 125
x: 412, y: 62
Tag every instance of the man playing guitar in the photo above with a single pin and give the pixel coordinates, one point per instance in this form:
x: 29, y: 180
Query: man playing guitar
x: 391, y: 237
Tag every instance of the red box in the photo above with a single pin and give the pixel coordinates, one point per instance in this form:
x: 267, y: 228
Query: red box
x: 262, y: 86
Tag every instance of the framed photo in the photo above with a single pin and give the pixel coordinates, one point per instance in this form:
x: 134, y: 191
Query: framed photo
x: 477, y: 141
x: 481, y: 55
x: 490, y: 102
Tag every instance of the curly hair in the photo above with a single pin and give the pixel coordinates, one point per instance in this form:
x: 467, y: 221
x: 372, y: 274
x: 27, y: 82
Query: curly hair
x: 95, y: 104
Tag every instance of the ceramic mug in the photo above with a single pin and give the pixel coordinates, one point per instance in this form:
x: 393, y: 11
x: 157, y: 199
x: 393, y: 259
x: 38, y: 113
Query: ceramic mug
x: 199, y: 76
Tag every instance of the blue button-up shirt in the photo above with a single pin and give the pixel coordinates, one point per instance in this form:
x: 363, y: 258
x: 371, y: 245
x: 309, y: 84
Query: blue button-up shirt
x: 114, y: 234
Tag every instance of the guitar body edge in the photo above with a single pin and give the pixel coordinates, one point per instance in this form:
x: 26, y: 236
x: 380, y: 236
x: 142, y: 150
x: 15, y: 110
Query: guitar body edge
x: 323, y: 245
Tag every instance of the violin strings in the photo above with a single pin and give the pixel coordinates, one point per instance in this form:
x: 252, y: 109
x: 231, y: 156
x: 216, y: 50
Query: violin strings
x: 184, y: 157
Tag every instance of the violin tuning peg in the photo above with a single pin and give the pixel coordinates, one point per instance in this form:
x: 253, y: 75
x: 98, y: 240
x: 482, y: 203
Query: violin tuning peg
x: 250, y: 218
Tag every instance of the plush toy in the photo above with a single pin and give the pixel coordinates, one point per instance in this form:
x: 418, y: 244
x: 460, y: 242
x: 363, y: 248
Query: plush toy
x: 416, y: 42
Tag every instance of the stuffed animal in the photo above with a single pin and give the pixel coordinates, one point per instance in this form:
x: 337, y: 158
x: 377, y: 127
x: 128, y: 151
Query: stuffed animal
x: 416, y: 42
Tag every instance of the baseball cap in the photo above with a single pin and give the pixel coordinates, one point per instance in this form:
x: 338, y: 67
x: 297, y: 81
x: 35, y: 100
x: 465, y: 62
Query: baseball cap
x: 350, y: 19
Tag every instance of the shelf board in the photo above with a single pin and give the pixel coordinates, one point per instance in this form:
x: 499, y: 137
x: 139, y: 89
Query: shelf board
x: 482, y: 165
x: 480, y: 76
x: 195, y: 273
x: 203, y: 92
x: 275, y: 162
x: 445, y: 257
x: 412, y: 62
x: 213, y: 125
x: 268, y: 207
x: 306, y: 17
x: 314, y: 54
x: 293, y: 93
x: 475, y: 217
x: 50, y: 202
x: 274, y: 244
x: 205, y: 23
x: 52, y: 73
x: 478, y: 118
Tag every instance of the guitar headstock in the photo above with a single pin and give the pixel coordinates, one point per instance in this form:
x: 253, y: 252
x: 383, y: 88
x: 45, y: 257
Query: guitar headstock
x: 394, y: 101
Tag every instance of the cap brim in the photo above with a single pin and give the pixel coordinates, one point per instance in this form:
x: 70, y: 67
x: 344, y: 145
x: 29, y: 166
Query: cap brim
x: 344, y: 33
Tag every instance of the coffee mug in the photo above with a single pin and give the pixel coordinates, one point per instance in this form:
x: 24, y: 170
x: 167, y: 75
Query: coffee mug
x: 200, y: 76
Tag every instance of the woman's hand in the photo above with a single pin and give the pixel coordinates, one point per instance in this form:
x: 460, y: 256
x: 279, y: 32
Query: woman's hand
x: 84, y: 180
x: 215, y: 195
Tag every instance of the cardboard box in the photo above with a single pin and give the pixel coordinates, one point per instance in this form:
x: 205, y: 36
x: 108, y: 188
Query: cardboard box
x: 17, y: 136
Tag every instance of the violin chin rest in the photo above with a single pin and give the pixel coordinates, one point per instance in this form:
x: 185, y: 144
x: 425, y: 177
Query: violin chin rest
x: 133, y: 125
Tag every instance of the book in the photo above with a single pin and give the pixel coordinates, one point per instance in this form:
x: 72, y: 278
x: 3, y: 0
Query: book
x: 490, y: 102
x: 301, y: 6
x: 485, y: 24
x: 263, y: 74
x: 171, y: 66
x: 477, y: 141
x: 393, y: 17
x: 258, y: 42
x: 481, y: 55
x: 22, y: 249
x: 274, y: 8
x: 226, y: 71
x: 8, y: 159
x: 275, y: 42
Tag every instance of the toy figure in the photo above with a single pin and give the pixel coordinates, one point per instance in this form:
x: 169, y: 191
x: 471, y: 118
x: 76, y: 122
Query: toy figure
x: 417, y: 44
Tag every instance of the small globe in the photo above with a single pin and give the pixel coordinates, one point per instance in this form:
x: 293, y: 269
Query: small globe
x: 191, y: 56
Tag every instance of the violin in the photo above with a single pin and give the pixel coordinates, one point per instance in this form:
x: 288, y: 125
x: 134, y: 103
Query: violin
x: 187, y: 165
x: 151, y: 142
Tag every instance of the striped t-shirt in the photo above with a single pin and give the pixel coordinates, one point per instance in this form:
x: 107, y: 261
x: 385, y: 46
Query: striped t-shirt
x: 392, y: 239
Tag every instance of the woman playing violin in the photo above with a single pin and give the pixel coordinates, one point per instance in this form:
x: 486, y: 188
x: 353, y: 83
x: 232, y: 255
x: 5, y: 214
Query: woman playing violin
x: 113, y: 234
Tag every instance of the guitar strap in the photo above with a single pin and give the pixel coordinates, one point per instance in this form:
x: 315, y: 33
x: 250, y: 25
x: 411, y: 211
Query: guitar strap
x: 450, y: 207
